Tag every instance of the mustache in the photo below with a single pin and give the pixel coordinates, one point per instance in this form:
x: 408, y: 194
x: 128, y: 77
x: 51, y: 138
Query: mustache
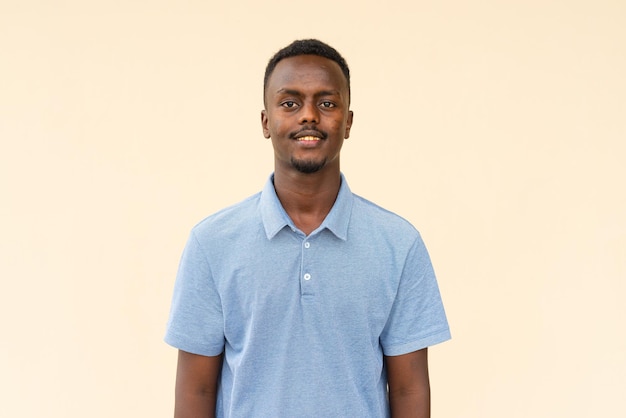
x: 306, y: 131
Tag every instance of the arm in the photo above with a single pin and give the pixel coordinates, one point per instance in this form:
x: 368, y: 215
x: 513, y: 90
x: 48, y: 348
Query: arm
x: 409, y: 386
x: 196, y: 385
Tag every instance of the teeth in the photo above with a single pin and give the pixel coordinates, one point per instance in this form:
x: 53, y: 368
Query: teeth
x: 309, y: 138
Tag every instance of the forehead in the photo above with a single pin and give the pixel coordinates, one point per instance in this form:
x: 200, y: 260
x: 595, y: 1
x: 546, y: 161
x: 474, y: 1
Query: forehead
x: 306, y: 71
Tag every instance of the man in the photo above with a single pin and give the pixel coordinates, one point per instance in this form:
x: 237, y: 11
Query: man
x: 305, y: 300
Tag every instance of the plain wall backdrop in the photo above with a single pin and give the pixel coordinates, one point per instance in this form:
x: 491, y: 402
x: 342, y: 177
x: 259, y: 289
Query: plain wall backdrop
x: 496, y: 127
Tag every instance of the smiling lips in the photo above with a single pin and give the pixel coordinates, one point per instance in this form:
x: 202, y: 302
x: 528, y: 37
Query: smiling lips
x: 308, y: 138
x: 309, y: 135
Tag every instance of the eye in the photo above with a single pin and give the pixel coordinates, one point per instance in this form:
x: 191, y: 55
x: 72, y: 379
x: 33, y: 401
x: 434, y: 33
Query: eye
x: 326, y: 104
x: 289, y: 104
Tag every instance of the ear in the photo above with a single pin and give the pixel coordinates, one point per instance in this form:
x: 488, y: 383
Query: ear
x: 265, y: 124
x: 348, y: 124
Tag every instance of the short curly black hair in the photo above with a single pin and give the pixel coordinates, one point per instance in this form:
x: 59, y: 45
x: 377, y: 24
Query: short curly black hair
x: 306, y: 47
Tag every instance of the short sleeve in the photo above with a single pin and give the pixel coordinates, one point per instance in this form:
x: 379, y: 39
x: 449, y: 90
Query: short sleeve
x: 196, y: 322
x: 417, y: 319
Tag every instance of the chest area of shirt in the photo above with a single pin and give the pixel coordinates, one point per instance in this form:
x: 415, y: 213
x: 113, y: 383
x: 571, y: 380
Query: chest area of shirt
x: 332, y: 276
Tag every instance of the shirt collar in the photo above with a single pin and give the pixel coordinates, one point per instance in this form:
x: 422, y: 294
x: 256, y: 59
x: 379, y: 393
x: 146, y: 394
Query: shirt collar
x: 275, y: 217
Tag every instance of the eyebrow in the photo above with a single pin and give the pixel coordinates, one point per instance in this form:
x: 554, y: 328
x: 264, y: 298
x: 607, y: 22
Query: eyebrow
x: 318, y: 94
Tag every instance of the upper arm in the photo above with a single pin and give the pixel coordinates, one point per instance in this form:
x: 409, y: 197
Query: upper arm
x: 417, y: 318
x: 409, y: 385
x: 196, y: 384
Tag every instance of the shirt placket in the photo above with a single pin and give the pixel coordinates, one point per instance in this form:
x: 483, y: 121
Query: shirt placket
x: 307, y: 275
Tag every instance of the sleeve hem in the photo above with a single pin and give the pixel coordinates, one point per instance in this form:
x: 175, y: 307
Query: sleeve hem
x: 415, y: 345
x: 194, y: 348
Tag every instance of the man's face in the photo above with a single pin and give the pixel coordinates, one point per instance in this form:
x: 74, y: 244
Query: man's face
x: 306, y: 113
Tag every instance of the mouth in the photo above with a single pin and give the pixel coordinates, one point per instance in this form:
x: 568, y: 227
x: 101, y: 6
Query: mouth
x: 308, y: 138
x: 309, y: 135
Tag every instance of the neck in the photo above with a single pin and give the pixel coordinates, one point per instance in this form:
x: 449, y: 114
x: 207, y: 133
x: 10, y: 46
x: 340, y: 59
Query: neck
x: 307, y: 198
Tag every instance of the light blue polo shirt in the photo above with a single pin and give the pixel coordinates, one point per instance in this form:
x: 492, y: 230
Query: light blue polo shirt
x: 304, y: 321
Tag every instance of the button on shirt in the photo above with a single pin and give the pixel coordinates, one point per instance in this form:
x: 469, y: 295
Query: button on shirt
x: 304, y: 321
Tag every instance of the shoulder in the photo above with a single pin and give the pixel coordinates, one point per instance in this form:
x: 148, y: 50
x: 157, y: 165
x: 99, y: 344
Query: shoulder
x: 379, y: 220
x: 231, y: 220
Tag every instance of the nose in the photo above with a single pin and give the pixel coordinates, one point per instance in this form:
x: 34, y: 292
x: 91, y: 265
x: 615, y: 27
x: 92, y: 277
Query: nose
x: 309, y: 113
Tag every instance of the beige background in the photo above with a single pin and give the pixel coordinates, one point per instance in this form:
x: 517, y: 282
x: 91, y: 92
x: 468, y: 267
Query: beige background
x: 496, y: 127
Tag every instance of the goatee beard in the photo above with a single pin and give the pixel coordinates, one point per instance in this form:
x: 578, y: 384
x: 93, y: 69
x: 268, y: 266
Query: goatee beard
x: 307, y: 166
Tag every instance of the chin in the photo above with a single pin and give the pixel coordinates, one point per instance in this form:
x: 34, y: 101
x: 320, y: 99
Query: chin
x: 307, y: 166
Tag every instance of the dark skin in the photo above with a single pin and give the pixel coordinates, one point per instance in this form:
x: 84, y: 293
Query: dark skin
x: 196, y: 385
x: 307, y: 117
x: 409, y: 385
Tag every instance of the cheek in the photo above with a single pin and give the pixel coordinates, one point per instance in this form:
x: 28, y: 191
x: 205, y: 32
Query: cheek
x: 338, y: 125
x: 277, y: 126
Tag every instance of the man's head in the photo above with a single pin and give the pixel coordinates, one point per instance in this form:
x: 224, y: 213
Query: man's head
x: 307, y: 107
x: 306, y: 47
